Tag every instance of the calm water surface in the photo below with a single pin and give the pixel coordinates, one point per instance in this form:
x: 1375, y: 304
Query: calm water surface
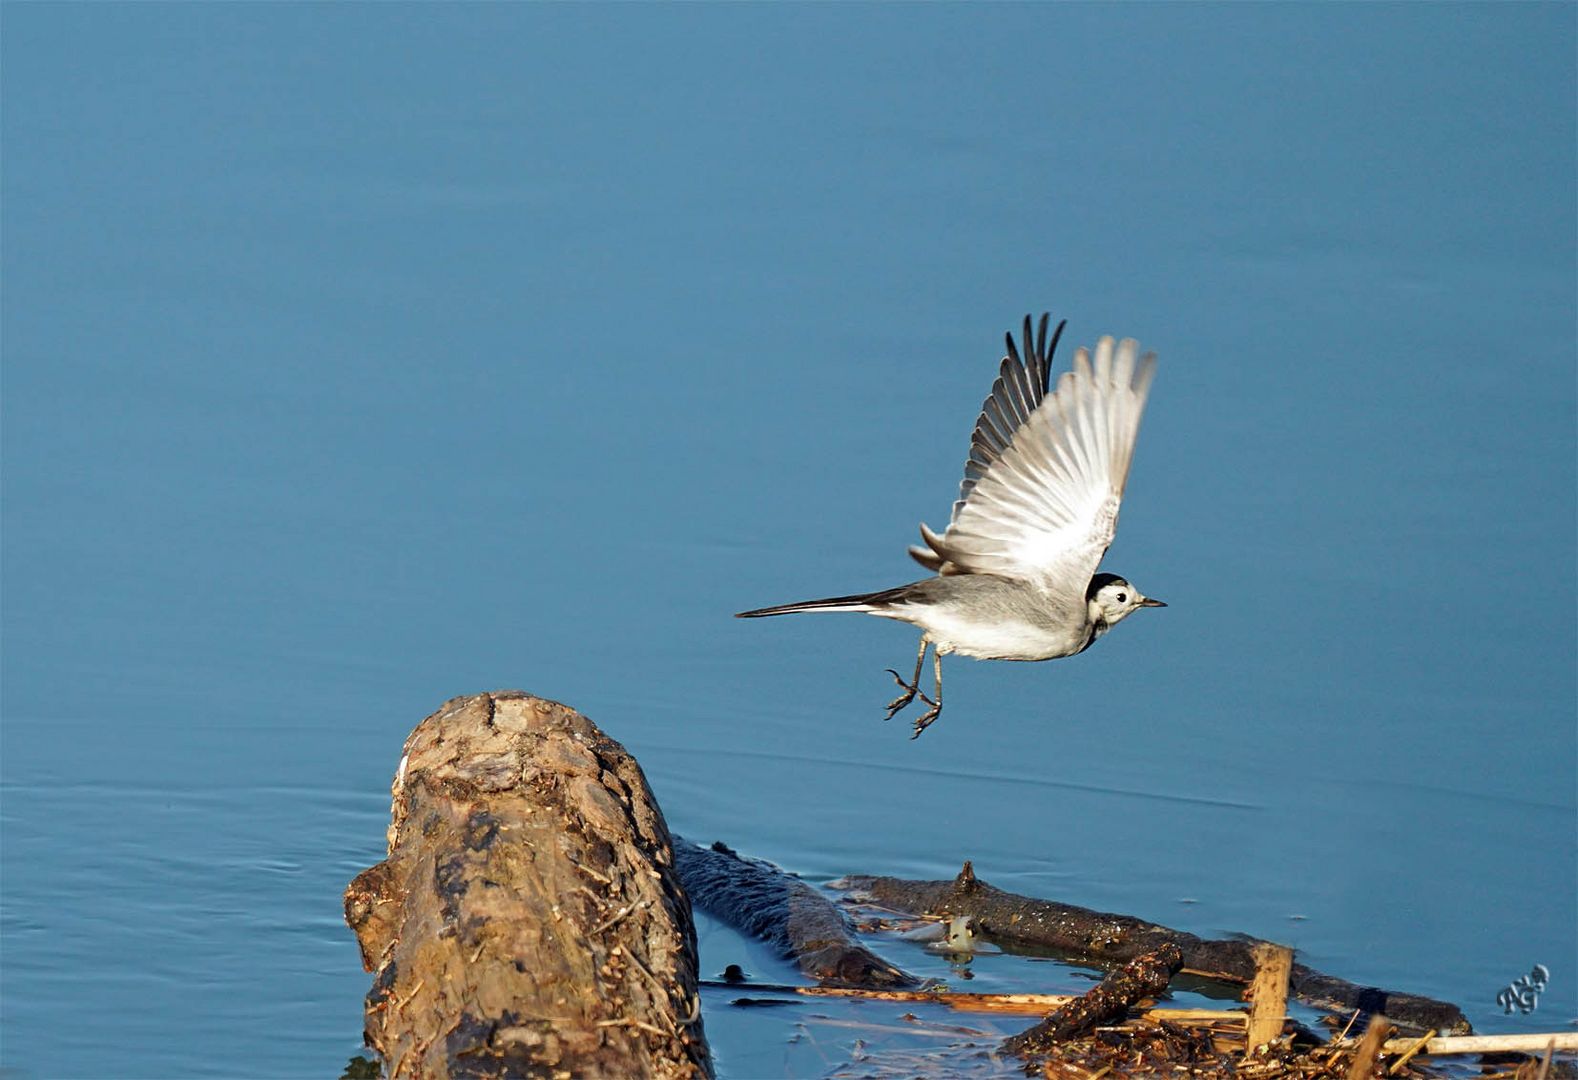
x: 357, y: 357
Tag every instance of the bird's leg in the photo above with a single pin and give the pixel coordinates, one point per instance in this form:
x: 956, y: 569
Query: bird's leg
x: 936, y: 706
x: 911, y: 688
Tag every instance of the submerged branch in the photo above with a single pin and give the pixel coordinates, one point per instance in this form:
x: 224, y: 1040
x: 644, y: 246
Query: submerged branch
x: 761, y: 900
x: 1107, y: 939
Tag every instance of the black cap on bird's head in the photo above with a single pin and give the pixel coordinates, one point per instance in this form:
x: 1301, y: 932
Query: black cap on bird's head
x: 1101, y: 581
x: 1117, y: 594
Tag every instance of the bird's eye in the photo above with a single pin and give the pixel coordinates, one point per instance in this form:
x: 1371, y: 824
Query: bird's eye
x: 1123, y: 598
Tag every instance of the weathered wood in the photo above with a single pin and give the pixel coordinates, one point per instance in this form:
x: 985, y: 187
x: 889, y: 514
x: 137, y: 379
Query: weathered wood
x: 1407, y: 1055
x: 528, y: 919
x: 960, y: 1001
x: 1268, y: 993
x: 1143, y: 977
x: 1362, y: 1065
x: 1564, y: 1042
x: 762, y: 900
x: 1108, y: 939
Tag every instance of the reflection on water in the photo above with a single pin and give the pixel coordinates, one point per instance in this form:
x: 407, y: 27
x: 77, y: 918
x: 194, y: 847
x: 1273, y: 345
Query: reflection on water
x: 431, y: 351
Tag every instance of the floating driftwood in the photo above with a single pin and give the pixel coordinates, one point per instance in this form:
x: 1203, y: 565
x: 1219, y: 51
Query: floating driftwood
x: 1107, y: 939
x: 1209, y: 1043
x: 528, y: 919
x: 532, y: 919
x: 1016, y: 1004
x: 1565, y: 1042
x: 1111, y: 999
x: 767, y: 903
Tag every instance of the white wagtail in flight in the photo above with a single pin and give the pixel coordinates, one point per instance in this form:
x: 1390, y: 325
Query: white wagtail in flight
x: 1016, y: 568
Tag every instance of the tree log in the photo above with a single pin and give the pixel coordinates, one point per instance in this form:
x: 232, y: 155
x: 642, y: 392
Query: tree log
x: 1107, y: 939
x: 528, y: 919
x: 759, y: 899
x: 1143, y: 977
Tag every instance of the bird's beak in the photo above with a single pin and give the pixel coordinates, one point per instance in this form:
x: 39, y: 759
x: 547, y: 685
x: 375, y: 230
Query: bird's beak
x: 1148, y: 602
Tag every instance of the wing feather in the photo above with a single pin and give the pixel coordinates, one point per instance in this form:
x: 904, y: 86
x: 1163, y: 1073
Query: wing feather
x: 1047, y: 467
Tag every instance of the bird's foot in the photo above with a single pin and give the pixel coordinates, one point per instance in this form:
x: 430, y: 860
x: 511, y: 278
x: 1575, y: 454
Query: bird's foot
x: 926, y: 720
x: 903, y: 699
x: 911, y: 692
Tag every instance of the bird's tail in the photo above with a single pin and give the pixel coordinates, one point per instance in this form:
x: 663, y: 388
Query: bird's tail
x: 875, y: 601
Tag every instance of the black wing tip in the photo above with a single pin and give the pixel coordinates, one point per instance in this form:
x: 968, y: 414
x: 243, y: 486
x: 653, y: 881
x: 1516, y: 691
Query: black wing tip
x: 1038, y: 350
x: 1036, y: 343
x: 1057, y: 334
x: 1013, y: 353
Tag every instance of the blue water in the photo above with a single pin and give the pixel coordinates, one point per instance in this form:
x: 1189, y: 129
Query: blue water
x: 360, y: 356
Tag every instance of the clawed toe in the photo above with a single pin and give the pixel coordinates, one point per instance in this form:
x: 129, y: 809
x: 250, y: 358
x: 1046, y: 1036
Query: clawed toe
x: 903, y: 699
x: 925, y: 721
x: 909, y: 695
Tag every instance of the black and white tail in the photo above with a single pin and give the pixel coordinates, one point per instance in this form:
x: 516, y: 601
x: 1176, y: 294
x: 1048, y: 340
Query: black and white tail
x: 875, y: 601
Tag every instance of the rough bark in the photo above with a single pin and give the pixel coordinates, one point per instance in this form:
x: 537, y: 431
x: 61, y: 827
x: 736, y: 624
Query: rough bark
x: 1143, y: 977
x: 1108, y: 939
x: 528, y: 920
x: 761, y: 900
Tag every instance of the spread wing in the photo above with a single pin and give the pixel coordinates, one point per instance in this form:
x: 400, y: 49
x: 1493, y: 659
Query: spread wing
x: 1047, y: 466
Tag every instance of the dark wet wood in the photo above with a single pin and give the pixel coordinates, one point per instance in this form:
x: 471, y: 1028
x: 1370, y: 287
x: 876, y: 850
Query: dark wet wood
x: 764, y: 901
x: 528, y: 919
x: 1106, y: 939
x: 1143, y: 977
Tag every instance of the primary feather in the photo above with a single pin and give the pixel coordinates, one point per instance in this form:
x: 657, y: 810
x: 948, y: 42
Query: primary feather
x: 1046, y: 472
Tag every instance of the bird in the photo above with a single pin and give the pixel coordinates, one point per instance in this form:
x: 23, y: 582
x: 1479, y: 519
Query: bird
x: 1015, y: 573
